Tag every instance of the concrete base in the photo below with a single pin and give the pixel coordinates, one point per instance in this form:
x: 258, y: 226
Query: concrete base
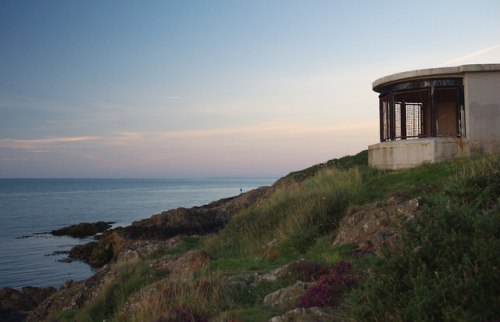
x: 411, y: 153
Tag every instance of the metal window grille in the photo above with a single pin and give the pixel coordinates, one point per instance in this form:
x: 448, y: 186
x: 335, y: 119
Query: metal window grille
x: 414, y: 125
x: 385, y: 118
x: 411, y: 114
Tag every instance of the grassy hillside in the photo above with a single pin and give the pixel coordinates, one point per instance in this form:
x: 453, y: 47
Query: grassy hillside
x: 444, y: 266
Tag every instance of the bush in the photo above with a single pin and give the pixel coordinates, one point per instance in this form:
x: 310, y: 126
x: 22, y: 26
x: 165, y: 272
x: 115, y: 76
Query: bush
x: 446, y: 264
x: 304, y: 271
x: 181, y: 314
x: 330, y: 287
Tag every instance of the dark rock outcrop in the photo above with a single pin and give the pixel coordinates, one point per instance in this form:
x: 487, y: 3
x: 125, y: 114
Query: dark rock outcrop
x: 83, y: 230
x: 71, y: 295
x: 15, y: 305
x: 202, y: 220
x: 95, y: 254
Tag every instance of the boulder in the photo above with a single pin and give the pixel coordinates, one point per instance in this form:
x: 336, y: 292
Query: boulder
x: 73, y: 295
x: 288, y: 296
x: 15, y: 305
x: 95, y: 254
x: 83, y: 230
x: 373, y: 226
x: 135, y: 250
x: 181, y: 267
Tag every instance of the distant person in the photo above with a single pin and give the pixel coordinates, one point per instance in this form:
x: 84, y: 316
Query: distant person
x: 241, y: 191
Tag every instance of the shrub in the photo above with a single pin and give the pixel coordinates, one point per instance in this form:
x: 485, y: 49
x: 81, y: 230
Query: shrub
x: 330, y: 287
x: 304, y: 271
x: 446, y: 264
x: 181, y: 314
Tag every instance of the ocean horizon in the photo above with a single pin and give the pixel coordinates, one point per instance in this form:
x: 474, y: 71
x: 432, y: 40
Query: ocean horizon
x: 31, y: 208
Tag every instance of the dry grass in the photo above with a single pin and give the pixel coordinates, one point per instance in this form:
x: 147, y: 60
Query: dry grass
x: 469, y: 168
x: 204, y: 295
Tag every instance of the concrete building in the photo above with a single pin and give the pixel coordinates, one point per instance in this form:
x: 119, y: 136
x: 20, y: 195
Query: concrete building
x: 430, y: 115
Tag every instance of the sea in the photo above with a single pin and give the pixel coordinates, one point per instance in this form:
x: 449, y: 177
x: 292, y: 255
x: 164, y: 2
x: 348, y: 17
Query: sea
x: 31, y: 208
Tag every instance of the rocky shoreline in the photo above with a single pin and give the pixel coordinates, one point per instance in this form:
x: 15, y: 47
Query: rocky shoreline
x: 367, y: 228
x: 162, y: 232
x: 139, y: 240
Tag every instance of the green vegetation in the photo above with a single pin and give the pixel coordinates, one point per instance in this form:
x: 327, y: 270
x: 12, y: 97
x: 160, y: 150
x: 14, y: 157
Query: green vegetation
x: 444, y: 266
x: 186, y: 244
x: 344, y: 163
x: 289, y: 224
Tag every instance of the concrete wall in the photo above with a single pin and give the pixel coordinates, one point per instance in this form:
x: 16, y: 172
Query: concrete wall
x: 404, y: 154
x: 482, y: 111
x: 481, y: 119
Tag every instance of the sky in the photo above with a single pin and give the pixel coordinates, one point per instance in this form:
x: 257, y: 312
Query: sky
x: 158, y: 89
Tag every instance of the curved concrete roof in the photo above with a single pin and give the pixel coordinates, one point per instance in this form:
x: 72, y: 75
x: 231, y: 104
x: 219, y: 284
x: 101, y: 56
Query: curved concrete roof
x: 434, y: 72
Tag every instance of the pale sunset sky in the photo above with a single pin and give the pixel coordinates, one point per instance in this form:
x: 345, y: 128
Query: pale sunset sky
x: 127, y: 89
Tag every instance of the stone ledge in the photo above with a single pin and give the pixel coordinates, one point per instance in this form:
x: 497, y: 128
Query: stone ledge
x: 403, y: 154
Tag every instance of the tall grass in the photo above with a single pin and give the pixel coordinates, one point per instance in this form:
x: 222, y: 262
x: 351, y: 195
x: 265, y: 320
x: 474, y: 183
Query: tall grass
x: 485, y: 165
x: 202, y: 296
x: 291, y: 220
x: 129, y: 278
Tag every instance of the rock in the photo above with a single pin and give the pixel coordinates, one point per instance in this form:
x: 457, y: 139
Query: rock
x: 312, y: 314
x: 271, y: 276
x: 73, y: 294
x: 376, y: 225
x: 288, y: 296
x: 37, y: 294
x: 113, y: 247
x: 181, y: 267
x: 296, y: 270
x: 93, y: 253
x: 83, y: 230
x: 193, y: 221
x: 15, y: 305
x: 134, y: 250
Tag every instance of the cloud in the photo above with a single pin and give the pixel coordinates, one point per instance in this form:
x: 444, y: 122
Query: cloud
x: 124, y: 138
x: 263, y: 131
x: 475, y: 54
x: 37, y: 144
x: 269, y: 129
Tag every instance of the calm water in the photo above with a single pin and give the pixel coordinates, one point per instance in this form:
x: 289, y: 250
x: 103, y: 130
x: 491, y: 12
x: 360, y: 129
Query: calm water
x: 31, y: 207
